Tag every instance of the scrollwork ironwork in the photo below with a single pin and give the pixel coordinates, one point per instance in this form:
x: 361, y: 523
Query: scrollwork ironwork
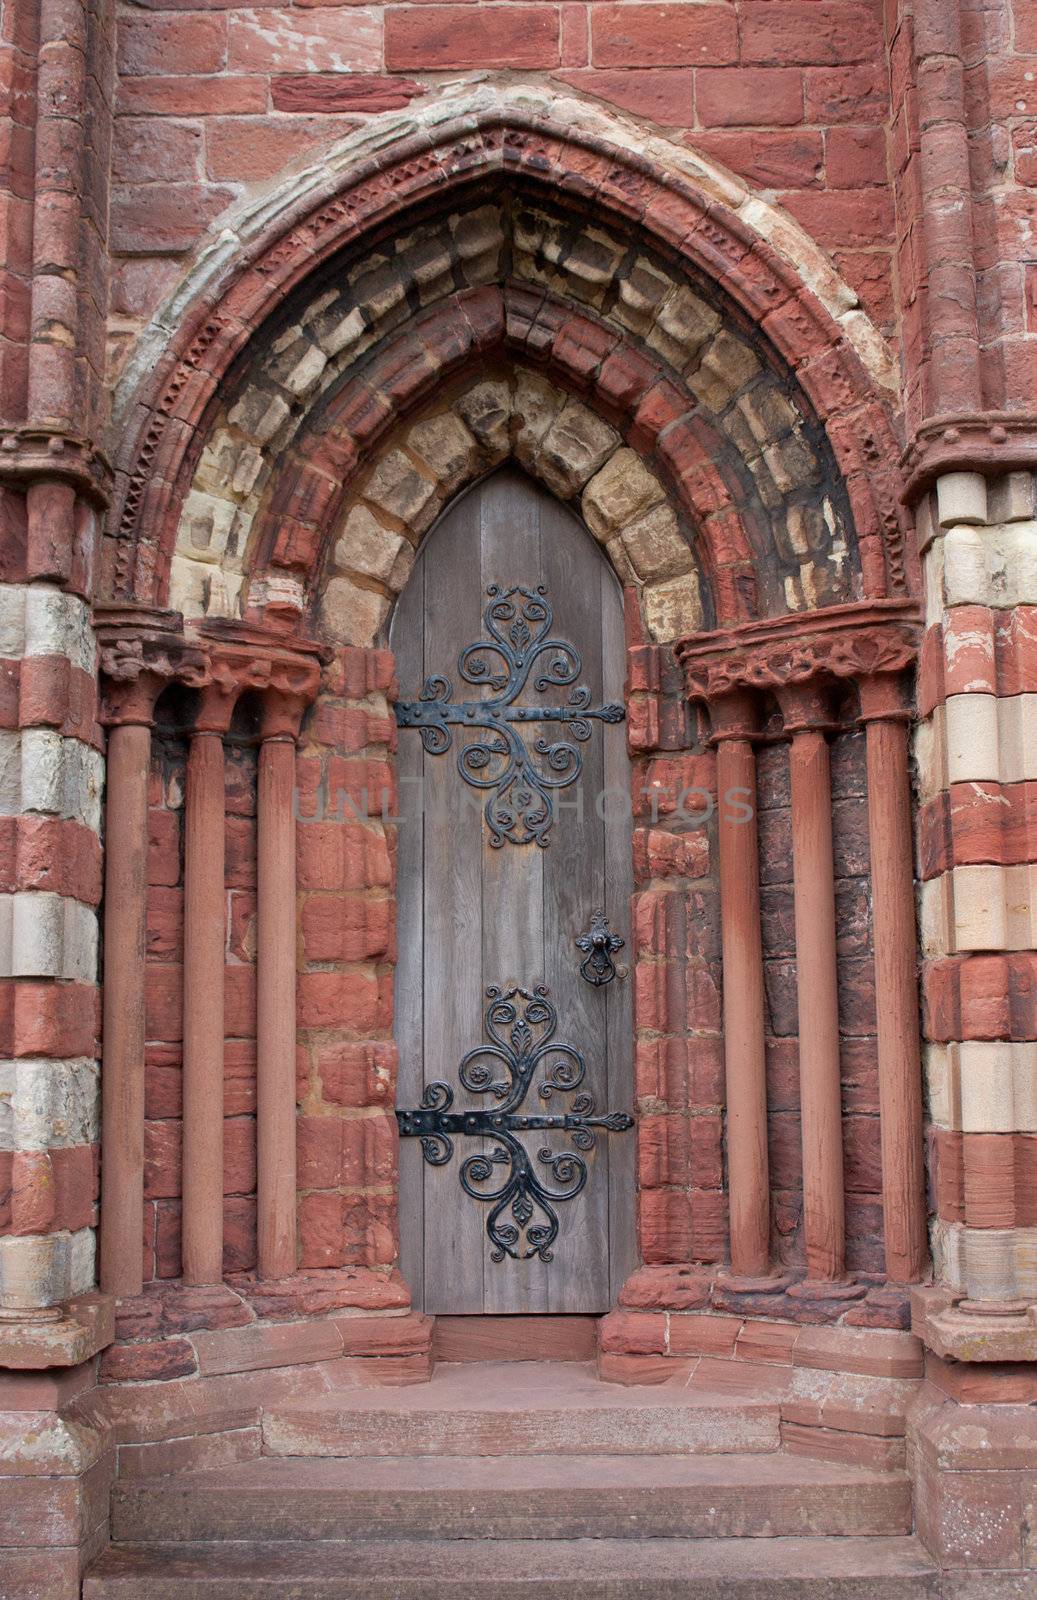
x: 519, y: 623
x: 520, y: 1030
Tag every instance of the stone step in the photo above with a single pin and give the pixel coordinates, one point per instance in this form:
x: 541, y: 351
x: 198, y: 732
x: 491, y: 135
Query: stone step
x: 593, y: 1569
x: 521, y: 1408
x: 521, y: 1497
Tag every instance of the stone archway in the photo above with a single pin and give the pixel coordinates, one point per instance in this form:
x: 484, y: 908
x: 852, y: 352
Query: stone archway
x: 633, y: 342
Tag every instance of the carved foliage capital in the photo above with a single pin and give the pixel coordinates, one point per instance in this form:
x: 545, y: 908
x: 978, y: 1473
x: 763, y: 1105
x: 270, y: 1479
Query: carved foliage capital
x: 774, y: 666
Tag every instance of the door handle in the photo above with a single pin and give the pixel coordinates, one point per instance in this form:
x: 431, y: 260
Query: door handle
x: 599, y: 945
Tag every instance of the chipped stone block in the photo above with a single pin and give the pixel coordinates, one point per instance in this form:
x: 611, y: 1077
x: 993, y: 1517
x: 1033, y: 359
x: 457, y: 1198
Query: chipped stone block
x: 656, y: 547
x: 642, y: 291
x: 620, y: 492
x: 479, y: 239
x: 683, y: 325
x: 352, y: 615
x: 792, y: 463
x: 366, y: 547
x: 207, y: 528
x: 445, y: 445
x: 335, y: 333
x: 673, y: 608
x: 767, y: 413
x: 487, y: 411
x: 574, y: 447
x: 43, y: 1270
x: 535, y: 406
x: 44, y: 772
x: 401, y: 489
x: 46, y: 1104
x: 726, y: 367
x: 201, y: 589
x: 258, y: 414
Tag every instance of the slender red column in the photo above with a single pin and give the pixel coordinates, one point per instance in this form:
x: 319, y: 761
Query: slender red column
x: 745, y: 1059
x: 204, y: 960
x: 816, y: 984
x: 122, y: 1072
x: 896, y: 981
x: 275, y: 1021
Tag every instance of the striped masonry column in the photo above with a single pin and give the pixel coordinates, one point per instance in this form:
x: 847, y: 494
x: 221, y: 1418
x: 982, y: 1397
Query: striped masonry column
x: 50, y: 886
x: 977, y: 771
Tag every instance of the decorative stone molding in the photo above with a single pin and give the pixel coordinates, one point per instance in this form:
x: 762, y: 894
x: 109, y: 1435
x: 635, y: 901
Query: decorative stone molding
x: 34, y: 455
x: 143, y: 652
x: 851, y: 642
x: 993, y: 443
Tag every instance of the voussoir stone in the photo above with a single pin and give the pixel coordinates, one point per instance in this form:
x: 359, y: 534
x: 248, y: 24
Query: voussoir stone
x: 352, y: 615
x: 366, y: 547
x: 620, y: 492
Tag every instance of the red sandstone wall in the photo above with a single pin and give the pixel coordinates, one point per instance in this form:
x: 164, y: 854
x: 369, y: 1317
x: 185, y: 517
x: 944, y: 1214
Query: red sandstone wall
x: 213, y: 101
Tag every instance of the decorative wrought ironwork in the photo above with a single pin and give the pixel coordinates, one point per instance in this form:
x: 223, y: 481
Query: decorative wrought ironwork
x: 599, y: 945
x: 520, y: 808
x: 521, y: 1027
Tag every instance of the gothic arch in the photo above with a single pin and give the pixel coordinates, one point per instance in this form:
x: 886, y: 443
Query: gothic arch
x: 647, y: 285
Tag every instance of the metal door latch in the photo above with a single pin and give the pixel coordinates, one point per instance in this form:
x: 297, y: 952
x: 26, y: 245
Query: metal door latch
x: 599, y: 944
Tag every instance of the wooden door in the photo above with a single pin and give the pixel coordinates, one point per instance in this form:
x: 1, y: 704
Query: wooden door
x: 496, y: 884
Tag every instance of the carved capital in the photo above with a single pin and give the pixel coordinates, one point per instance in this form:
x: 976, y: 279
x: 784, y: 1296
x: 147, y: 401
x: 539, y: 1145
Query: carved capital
x: 141, y: 653
x: 990, y: 442
x: 33, y: 455
x: 733, y: 716
x: 844, y: 643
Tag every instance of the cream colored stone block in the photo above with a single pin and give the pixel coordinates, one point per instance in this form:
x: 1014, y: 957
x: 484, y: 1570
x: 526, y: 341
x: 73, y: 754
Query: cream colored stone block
x: 1015, y: 582
x: 947, y: 1245
x: 44, y: 772
x: 673, y: 609
x: 997, y: 1084
x: 965, y: 566
x: 259, y: 414
x: 620, y: 492
x: 199, y: 588
x: 46, y: 1103
x: 942, y: 1084
x: 352, y: 615
x: 930, y: 753
x: 927, y: 529
x: 961, y: 497
x: 725, y: 368
x: 44, y: 935
x: 446, y: 446
x: 1020, y: 895
x: 44, y: 1269
x: 980, y: 913
x: 1000, y: 1263
x: 935, y: 916
x: 1017, y: 730
x: 576, y: 444
x: 973, y: 738
x: 1011, y: 498
x: 486, y: 410
x: 397, y: 486
x: 683, y: 325
x: 933, y: 582
x: 656, y: 546
x: 366, y: 547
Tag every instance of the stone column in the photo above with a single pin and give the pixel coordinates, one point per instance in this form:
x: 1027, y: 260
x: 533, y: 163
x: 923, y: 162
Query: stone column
x: 895, y: 943
x: 125, y: 911
x: 976, y: 767
x: 275, y: 978
x: 204, y: 961
x: 806, y: 721
x: 745, y: 1060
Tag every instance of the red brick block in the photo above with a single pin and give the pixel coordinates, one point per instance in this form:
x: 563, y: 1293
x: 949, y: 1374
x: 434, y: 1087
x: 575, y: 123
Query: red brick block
x: 663, y: 35
x: 739, y: 97
x: 354, y: 1000
x: 666, y: 97
x: 48, y: 1019
x: 321, y: 1234
x: 153, y: 43
x: 190, y: 97
x: 356, y: 1074
x: 340, y: 91
x: 252, y: 148
x: 769, y: 160
x: 164, y: 216
x: 319, y: 1152
x: 369, y: 1151
x: 820, y: 32
x: 137, y: 1363
x: 146, y: 149
x: 432, y: 37
x: 680, y: 1073
x: 285, y: 40
x: 856, y: 158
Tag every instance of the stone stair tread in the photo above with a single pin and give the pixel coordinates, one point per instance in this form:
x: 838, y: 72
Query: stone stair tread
x: 511, y: 1385
x: 540, y: 1497
x: 597, y: 1569
x: 285, y: 1474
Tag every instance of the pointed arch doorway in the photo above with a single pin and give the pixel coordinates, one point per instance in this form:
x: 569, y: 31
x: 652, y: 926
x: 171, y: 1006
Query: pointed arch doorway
x: 497, y: 880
